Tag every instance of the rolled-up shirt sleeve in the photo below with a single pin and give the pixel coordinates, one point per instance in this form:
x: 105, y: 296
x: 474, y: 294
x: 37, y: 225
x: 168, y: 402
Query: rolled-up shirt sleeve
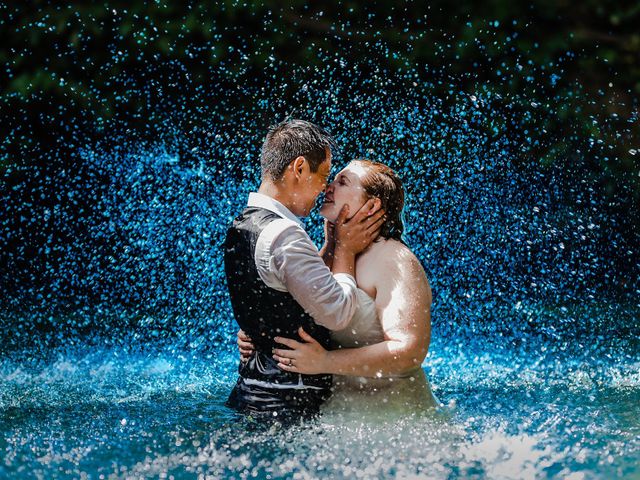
x: 288, y: 260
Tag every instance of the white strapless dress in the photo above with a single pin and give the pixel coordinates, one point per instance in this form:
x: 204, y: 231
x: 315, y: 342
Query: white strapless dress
x: 406, y: 393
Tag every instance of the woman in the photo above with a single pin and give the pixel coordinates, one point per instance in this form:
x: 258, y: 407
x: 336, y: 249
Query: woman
x: 377, y: 358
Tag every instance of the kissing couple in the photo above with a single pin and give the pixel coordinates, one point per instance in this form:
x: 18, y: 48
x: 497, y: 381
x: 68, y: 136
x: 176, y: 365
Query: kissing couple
x: 343, y: 328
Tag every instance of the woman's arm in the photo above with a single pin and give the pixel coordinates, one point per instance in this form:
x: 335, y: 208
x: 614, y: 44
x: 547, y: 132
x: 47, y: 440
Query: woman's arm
x: 403, y: 301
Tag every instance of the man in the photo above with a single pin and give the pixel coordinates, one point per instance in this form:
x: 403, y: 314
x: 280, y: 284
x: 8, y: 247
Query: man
x: 278, y: 281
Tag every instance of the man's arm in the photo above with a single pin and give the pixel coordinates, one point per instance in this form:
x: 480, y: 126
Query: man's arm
x: 329, y: 299
x: 288, y: 260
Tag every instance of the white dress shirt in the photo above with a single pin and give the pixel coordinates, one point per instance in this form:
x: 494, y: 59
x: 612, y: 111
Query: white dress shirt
x: 288, y: 261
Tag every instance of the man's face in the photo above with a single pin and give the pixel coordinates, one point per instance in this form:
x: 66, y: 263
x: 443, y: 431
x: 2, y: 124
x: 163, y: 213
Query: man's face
x: 313, y: 183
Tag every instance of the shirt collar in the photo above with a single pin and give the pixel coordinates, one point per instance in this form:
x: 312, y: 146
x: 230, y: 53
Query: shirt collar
x: 263, y: 201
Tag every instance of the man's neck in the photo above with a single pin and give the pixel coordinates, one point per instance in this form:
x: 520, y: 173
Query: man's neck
x: 271, y: 189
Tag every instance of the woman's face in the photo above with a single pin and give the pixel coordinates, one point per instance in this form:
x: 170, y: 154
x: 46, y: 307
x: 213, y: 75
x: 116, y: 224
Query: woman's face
x: 346, y: 189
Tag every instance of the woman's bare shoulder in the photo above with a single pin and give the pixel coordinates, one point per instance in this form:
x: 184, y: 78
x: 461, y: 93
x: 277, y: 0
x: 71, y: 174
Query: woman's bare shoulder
x: 388, y: 253
x: 388, y: 264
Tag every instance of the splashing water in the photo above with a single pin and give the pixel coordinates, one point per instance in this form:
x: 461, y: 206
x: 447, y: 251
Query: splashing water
x: 117, y: 332
x: 118, y: 414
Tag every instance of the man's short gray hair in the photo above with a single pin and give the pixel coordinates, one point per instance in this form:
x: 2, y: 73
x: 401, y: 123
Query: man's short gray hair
x: 290, y: 139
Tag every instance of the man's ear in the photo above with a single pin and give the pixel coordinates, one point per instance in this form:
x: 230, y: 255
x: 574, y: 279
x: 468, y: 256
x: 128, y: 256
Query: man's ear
x: 377, y: 204
x: 298, y: 165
